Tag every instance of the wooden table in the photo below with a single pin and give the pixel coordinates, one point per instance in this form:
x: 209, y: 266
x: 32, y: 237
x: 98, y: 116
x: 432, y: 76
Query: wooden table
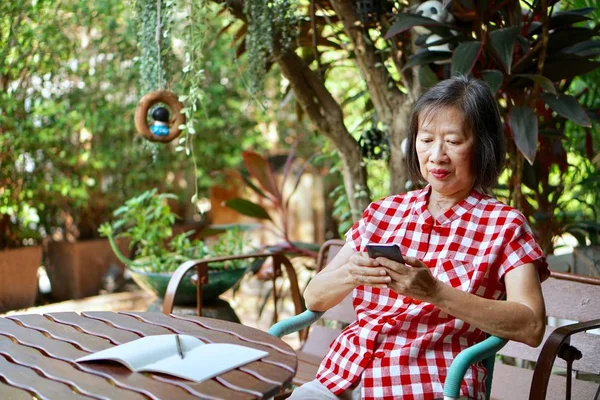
x: 38, y: 353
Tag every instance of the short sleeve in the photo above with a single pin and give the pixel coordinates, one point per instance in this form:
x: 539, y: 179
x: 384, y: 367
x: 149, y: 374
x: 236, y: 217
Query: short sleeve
x: 357, y: 232
x: 521, y: 248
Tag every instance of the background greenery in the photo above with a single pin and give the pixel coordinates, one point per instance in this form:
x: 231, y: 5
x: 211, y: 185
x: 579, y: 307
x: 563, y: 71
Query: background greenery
x: 70, y: 77
x: 70, y: 80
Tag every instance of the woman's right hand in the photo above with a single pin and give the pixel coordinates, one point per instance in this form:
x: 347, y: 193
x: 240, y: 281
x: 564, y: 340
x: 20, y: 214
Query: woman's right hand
x: 363, y: 270
x: 347, y: 270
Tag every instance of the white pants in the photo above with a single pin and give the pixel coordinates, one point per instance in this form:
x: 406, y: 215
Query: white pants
x: 315, y: 390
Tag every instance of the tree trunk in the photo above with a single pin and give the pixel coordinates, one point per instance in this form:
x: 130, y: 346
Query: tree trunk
x: 355, y: 182
x: 328, y: 118
x: 398, y: 132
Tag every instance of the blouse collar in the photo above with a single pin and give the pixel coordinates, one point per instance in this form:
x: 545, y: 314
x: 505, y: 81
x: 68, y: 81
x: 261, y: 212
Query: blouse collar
x: 454, y: 212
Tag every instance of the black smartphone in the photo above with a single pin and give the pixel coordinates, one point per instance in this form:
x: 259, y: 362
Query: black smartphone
x: 390, y: 251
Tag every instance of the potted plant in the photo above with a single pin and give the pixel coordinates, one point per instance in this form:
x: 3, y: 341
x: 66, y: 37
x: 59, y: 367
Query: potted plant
x: 270, y: 202
x: 20, y: 258
x: 147, y: 222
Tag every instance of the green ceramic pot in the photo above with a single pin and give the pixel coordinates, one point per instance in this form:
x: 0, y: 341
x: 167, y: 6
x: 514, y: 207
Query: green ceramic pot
x: 219, y: 281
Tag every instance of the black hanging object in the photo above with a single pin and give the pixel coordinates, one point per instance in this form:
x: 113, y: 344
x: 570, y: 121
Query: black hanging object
x: 369, y: 12
x: 160, y: 114
x: 374, y: 145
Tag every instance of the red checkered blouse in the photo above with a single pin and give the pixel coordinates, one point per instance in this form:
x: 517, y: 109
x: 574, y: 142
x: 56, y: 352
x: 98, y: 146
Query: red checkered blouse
x: 402, y: 348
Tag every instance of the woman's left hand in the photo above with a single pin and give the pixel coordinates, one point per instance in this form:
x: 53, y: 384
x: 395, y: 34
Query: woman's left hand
x: 412, y: 279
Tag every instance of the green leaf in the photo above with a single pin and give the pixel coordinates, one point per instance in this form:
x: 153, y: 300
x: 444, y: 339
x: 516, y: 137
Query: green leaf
x: 493, y: 78
x: 427, y: 78
x: 567, y: 37
x: 562, y: 19
x: 503, y: 41
x: 566, y: 66
x: 406, y: 21
x: 570, y: 17
x: 580, y: 11
x: 259, y: 168
x: 246, y: 178
x: 541, y: 80
x: 248, y: 208
x: 464, y: 57
x: 426, y: 57
x: 589, y: 48
x: 568, y: 107
x: 524, y: 126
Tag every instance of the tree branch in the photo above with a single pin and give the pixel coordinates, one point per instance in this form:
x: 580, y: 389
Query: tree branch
x: 371, y: 65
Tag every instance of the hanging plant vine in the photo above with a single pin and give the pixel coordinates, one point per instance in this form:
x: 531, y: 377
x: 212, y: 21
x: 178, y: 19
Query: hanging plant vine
x: 154, y: 20
x: 270, y: 23
x: 195, y: 34
x: 156, y: 23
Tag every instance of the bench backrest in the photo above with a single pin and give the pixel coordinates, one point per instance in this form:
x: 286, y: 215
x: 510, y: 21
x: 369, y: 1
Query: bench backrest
x: 569, y: 298
x: 572, y: 298
x: 320, y: 337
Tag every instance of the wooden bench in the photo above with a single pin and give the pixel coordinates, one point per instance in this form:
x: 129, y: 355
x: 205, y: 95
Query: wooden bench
x: 567, y: 296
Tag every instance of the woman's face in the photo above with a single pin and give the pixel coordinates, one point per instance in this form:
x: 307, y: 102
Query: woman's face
x: 445, y: 151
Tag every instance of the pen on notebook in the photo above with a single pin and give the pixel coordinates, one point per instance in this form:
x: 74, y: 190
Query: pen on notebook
x: 179, y: 350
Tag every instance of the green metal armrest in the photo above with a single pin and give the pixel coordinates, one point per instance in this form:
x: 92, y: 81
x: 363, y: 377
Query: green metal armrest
x: 295, y: 323
x: 484, y: 351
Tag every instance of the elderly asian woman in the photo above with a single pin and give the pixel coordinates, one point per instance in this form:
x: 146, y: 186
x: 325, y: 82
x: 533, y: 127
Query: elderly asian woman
x: 464, y: 252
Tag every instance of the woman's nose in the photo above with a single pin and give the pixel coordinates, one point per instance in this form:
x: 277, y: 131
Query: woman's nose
x: 438, y: 152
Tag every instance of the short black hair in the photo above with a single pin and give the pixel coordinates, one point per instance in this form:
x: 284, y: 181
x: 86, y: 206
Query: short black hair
x: 482, y: 116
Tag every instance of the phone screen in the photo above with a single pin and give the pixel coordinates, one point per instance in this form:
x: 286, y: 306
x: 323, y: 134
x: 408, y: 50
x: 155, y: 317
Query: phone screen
x: 389, y: 251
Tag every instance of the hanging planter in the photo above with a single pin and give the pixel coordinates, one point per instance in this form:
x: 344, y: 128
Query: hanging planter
x: 162, y: 129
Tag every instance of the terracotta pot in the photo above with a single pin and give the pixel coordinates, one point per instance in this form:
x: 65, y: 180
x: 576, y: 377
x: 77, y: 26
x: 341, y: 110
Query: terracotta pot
x: 76, y: 269
x: 18, y: 277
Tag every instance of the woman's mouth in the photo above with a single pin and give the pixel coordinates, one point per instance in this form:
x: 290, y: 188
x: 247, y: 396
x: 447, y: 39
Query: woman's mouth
x: 439, y: 173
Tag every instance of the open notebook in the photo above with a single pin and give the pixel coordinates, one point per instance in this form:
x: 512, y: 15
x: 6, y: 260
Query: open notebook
x: 160, y: 353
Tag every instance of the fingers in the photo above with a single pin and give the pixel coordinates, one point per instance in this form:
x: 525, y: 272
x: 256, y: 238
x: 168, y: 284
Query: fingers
x: 363, y: 260
x: 414, y: 262
x: 371, y: 280
x: 371, y: 275
x: 393, y: 265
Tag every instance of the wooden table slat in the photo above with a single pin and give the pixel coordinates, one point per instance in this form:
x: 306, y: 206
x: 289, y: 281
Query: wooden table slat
x: 95, y: 327
x: 268, y: 372
x: 26, y: 378
x: 250, y: 382
x: 55, y: 348
x: 128, y: 323
x: 211, y: 389
x: 64, y: 372
x: 62, y: 332
x: 8, y: 392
